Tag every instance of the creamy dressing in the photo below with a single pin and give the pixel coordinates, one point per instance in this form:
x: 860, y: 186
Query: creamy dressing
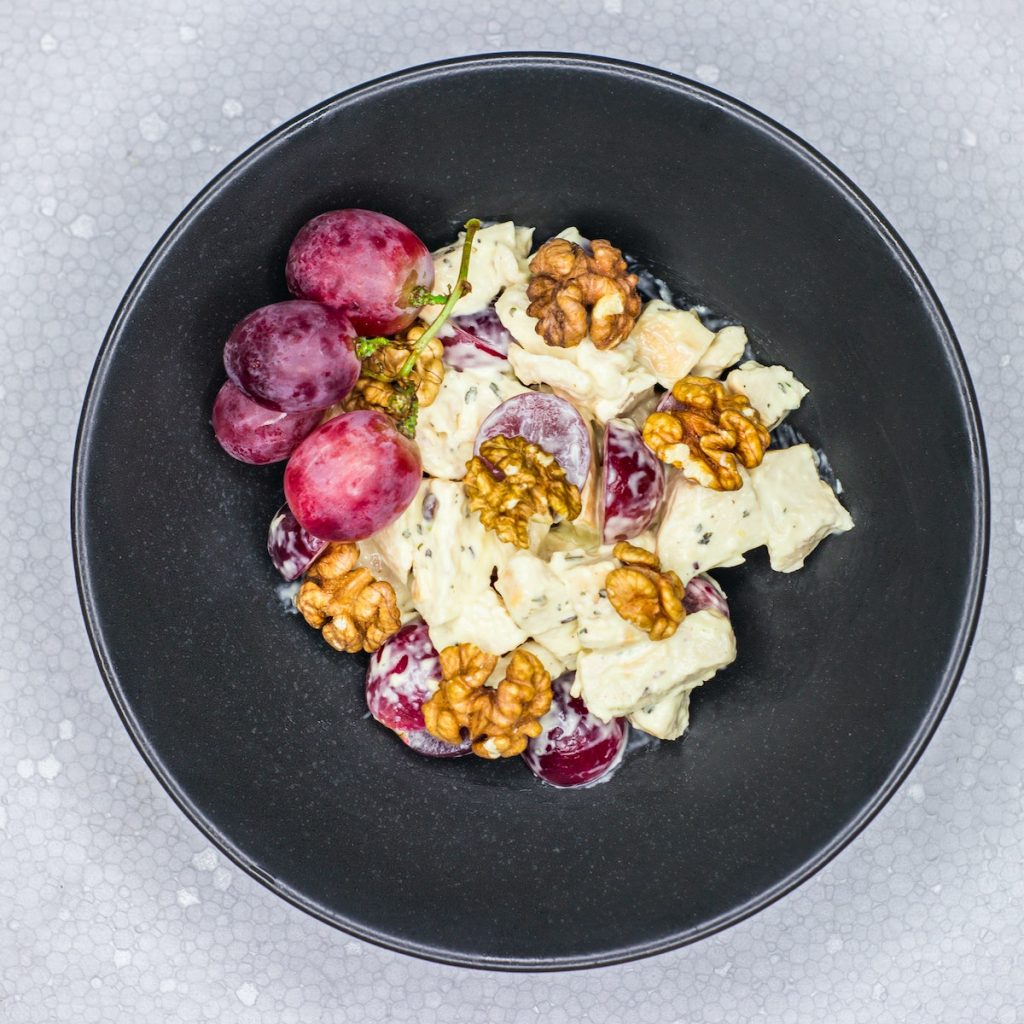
x: 452, y: 562
x: 669, y: 341
x: 668, y: 719
x: 448, y: 426
x: 602, y: 383
x: 773, y: 391
x: 583, y: 574
x: 800, y: 510
x: 704, y: 529
x: 286, y: 594
x: 536, y: 598
x: 498, y: 259
x: 727, y: 349
x: 619, y: 681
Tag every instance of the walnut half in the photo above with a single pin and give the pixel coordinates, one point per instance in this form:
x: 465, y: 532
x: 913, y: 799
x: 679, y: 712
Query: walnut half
x: 709, y: 433
x: 532, y: 484
x: 574, y: 293
x: 500, y: 720
x: 378, y: 386
x: 644, y: 595
x: 354, y: 611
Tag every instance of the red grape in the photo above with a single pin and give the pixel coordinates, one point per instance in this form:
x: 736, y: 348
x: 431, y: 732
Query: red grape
x: 402, y: 676
x: 294, y: 356
x: 574, y: 747
x: 428, y: 745
x: 364, y: 263
x: 702, y: 592
x: 479, y: 340
x: 291, y: 548
x: 253, y: 433
x: 354, y: 475
x: 633, y: 483
x: 668, y: 403
x: 548, y: 421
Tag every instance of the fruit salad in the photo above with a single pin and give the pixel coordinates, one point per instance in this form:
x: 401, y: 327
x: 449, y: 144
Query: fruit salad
x: 512, y: 469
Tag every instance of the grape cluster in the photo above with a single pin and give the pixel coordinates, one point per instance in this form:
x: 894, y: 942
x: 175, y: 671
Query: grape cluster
x: 353, y: 273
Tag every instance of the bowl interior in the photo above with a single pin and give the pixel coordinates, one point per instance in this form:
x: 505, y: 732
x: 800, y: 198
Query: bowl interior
x: 259, y: 730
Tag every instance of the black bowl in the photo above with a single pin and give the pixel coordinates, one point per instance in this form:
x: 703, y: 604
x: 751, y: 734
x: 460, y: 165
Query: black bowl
x: 259, y: 731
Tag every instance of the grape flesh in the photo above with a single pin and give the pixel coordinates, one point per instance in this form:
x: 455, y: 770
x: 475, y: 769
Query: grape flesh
x: 354, y: 475
x: 548, y: 421
x: 253, y: 433
x: 574, y: 748
x: 293, y: 356
x: 668, y: 403
x: 477, y: 341
x: 364, y: 263
x: 702, y: 592
x: 402, y: 676
x: 291, y: 548
x: 633, y: 483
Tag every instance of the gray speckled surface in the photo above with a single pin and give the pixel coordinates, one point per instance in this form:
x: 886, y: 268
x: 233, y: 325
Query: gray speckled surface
x: 112, y: 906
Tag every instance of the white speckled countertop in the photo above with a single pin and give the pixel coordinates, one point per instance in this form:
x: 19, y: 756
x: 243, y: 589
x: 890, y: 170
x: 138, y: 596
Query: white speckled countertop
x: 112, y: 906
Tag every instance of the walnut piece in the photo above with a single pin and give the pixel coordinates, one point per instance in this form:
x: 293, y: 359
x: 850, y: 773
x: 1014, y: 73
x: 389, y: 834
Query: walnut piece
x: 630, y: 554
x: 354, y: 611
x: 534, y: 484
x: 378, y: 386
x: 574, y: 293
x: 500, y: 719
x: 710, y: 432
x: 644, y: 595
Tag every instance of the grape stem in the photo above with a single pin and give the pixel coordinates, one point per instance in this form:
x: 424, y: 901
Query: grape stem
x: 460, y: 288
x: 421, y: 297
x: 365, y: 347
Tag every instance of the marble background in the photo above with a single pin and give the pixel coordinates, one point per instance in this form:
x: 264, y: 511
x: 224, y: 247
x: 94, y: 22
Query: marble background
x: 112, y: 906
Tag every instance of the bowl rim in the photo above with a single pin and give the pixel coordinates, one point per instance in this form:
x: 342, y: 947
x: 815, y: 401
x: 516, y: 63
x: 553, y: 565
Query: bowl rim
x: 980, y: 523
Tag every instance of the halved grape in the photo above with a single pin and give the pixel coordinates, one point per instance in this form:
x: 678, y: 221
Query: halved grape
x: 479, y: 340
x: 354, y: 475
x: 548, y: 421
x: 574, y: 747
x: 668, y: 403
x: 364, y: 263
x: 632, y: 483
x: 253, y: 433
x: 293, y: 356
x: 703, y: 592
x: 402, y: 676
x: 461, y: 351
x: 430, y: 746
x: 291, y: 548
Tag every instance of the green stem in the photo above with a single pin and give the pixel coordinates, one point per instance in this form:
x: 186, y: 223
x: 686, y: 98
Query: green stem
x: 365, y: 347
x: 421, y: 297
x: 460, y: 288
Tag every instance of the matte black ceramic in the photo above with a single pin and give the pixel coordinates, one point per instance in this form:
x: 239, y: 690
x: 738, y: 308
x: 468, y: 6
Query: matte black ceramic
x: 259, y: 730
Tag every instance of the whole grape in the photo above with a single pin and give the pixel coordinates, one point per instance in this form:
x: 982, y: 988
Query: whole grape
x: 352, y: 476
x: 294, y: 356
x: 253, y: 433
x: 364, y: 263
